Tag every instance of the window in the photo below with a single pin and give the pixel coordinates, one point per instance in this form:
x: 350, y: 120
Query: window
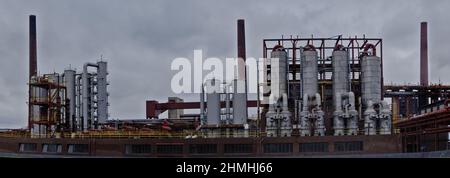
x: 238, y: 148
x: 348, y: 146
x: 27, y: 147
x: 313, y: 147
x: 203, y: 148
x: 51, y: 148
x: 278, y: 148
x: 78, y: 148
x: 138, y: 149
x: 169, y: 149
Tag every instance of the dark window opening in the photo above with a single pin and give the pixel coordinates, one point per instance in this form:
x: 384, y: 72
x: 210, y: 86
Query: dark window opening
x: 138, y: 149
x: 278, y: 148
x: 78, y: 148
x: 348, y: 146
x: 313, y: 147
x: 51, y: 148
x: 238, y: 148
x: 169, y: 149
x: 203, y: 148
x: 27, y: 147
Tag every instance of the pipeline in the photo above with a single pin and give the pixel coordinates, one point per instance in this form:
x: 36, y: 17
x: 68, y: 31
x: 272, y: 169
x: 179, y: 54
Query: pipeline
x: 370, y: 46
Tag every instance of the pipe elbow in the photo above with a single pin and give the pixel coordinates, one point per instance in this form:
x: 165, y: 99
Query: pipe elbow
x: 88, y: 64
x: 370, y: 46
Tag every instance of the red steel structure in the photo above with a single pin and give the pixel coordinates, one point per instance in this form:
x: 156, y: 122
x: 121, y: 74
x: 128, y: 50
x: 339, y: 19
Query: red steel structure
x: 427, y: 131
x: 154, y: 108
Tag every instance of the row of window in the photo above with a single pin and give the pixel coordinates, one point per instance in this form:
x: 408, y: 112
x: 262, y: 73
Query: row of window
x: 54, y: 148
x: 314, y: 147
x: 203, y: 148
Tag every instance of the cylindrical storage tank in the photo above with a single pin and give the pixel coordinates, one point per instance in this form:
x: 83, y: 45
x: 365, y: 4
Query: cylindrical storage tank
x: 341, y: 79
x: 371, y: 79
x: 69, y: 78
x: 278, y: 73
x: 309, y: 71
x: 212, y: 102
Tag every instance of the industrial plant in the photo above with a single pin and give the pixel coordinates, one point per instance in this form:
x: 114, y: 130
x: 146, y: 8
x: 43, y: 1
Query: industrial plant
x: 319, y: 96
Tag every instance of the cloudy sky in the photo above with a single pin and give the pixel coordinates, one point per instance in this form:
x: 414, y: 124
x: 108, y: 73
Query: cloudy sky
x: 139, y: 39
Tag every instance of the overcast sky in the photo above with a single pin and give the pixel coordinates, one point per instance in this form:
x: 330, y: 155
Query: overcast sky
x: 139, y: 39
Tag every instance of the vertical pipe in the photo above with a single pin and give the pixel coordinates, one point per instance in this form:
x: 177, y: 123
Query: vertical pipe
x: 423, y: 54
x: 79, y: 117
x: 202, y: 105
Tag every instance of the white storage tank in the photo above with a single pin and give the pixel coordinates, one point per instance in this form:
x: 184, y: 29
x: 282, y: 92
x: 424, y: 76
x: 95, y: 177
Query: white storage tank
x: 340, y: 65
x: 371, y: 79
x: 309, y: 70
x: 278, y: 74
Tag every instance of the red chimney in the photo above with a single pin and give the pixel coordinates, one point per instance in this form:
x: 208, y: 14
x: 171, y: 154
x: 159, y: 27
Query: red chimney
x: 423, y: 54
x: 33, y: 46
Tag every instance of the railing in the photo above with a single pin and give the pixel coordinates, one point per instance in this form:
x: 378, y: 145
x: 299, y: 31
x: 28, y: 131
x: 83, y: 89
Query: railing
x: 128, y: 135
x: 143, y: 134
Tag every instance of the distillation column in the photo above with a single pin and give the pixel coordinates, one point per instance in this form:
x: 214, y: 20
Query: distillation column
x: 377, y: 111
x: 94, y: 95
x: 278, y: 116
x: 102, y: 94
x: 311, y: 115
x: 344, y: 99
x: 69, y: 79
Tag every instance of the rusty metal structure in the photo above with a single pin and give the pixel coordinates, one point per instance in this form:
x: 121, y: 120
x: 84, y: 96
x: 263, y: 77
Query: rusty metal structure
x: 428, y: 131
x: 47, y: 107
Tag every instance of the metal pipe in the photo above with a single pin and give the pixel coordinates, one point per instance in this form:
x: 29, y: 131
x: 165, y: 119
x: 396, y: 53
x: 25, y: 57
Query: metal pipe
x: 202, y: 105
x: 370, y: 46
x: 78, y: 104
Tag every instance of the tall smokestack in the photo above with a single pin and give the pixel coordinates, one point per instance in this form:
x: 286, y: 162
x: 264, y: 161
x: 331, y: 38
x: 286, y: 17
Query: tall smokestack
x: 33, y: 65
x: 241, y: 49
x: 423, y: 54
x: 240, y: 89
x: 33, y: 46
